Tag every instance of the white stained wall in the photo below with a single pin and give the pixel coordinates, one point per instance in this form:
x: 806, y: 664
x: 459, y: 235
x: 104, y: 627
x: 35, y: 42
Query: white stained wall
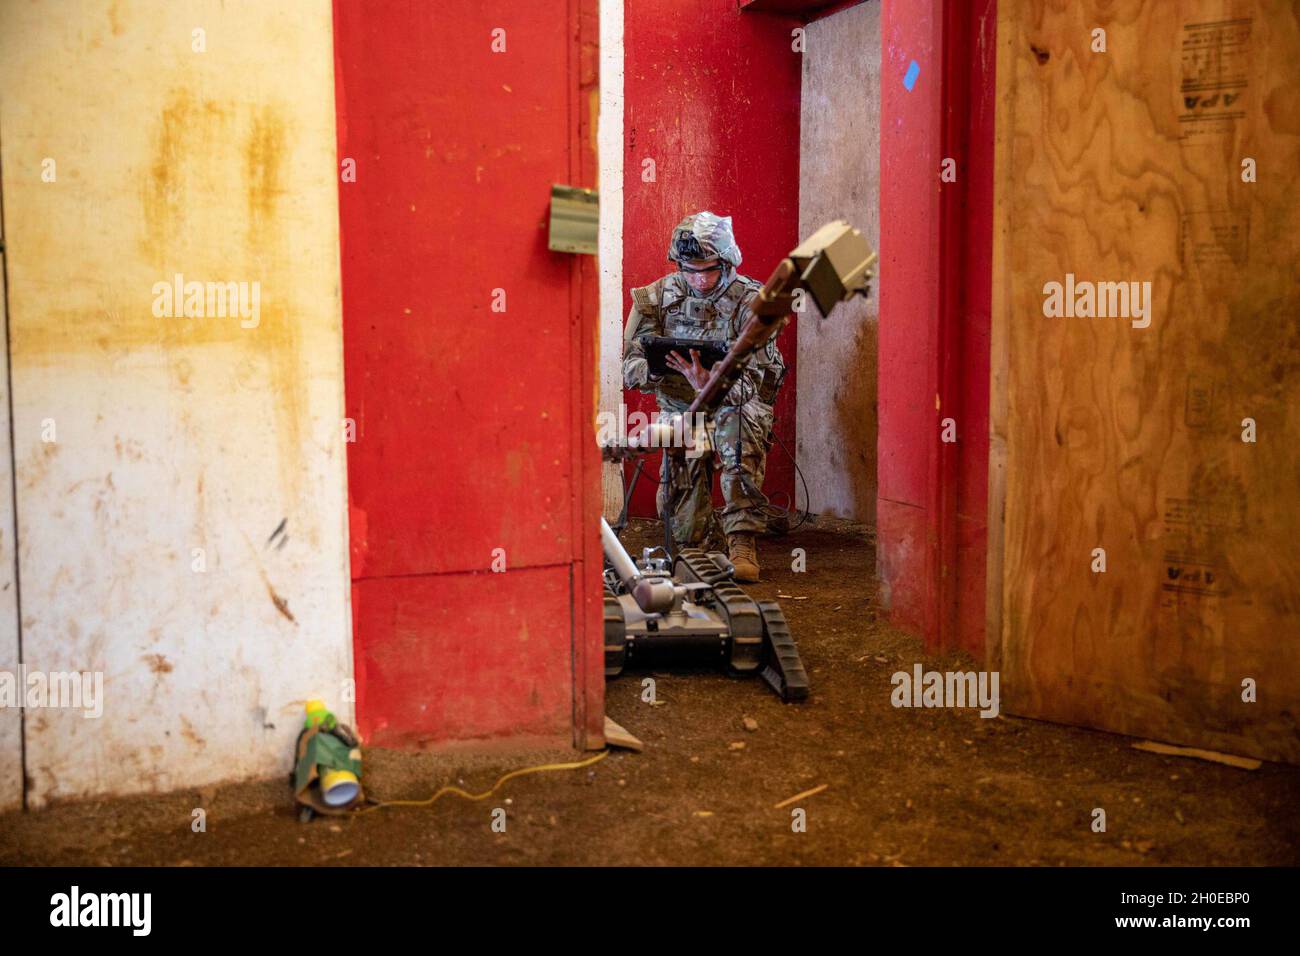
x: 147, y: 544
x: 839, y: 178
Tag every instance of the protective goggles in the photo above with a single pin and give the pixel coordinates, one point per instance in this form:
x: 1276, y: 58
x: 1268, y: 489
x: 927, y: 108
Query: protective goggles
x: 696, y: 272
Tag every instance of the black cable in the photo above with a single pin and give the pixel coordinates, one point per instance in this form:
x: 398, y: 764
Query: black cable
x: 627, y: 496
x: 770, y: 510
x: 807, y: 512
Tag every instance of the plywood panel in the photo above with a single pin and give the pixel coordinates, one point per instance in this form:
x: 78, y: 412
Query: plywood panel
x: 907, y: 292
x: 974, y: 147
x: 459, y: 359
x: 1126, y: 166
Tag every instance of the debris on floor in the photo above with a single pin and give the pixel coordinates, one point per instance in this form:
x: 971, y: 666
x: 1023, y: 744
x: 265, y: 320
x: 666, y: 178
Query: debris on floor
x: 1169, y: 750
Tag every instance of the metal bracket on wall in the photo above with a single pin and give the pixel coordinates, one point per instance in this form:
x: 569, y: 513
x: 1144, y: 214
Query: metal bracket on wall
x: 575, y: 219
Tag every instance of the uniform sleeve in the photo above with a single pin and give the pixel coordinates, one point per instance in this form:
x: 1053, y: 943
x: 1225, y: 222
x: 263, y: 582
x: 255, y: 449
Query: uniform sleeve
x: 636, y: 370
x: 747, y: 386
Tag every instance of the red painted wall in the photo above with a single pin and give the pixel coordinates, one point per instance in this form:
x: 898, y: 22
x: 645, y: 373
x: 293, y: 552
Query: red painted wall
x: 474, y: 428
x: 711, y: 94
x: 936, y: 243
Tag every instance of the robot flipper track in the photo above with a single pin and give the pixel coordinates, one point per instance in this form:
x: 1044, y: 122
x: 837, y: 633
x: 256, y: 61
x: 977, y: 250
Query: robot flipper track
x: 777, y: 659
x: 782, y: 669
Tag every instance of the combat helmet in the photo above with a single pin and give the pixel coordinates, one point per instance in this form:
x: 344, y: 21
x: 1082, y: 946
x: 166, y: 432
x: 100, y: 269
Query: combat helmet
x: 703, y: 236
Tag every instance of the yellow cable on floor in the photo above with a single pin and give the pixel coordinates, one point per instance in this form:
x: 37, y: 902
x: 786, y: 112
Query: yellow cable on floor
x: 542, y: 768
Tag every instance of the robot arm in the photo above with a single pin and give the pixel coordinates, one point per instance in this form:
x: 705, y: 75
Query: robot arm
x: 832, y: 265
x: 652, y: 594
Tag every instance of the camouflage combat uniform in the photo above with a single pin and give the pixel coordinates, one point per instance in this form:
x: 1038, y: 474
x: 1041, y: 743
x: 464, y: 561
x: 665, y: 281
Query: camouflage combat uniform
x: 740, y: 430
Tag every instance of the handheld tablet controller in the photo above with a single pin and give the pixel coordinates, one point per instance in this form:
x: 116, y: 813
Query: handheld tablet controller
x: 658, y: 347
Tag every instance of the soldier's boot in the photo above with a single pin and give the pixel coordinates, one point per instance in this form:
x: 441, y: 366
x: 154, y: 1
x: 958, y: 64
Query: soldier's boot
x: 743, y: 555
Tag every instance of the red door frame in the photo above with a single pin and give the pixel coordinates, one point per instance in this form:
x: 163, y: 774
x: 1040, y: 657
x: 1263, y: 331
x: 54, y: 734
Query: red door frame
x: 936, y: 248
x: 584, y: 310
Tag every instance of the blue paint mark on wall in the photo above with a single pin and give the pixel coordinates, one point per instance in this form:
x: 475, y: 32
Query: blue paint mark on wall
x: 913, y: 71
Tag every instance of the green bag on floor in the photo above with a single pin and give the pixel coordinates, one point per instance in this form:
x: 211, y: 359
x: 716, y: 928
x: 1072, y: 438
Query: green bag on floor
x: 327, y: 772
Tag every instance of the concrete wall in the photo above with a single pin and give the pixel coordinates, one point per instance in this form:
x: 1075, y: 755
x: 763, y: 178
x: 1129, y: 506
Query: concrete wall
x: 174, y: 434
x: 839, y: 178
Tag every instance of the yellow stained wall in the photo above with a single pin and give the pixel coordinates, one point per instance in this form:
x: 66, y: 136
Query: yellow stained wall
x: 145, y: 529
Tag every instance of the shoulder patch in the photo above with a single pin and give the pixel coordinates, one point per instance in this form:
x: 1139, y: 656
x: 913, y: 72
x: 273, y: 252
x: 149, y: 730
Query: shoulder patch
x: 642, y: 300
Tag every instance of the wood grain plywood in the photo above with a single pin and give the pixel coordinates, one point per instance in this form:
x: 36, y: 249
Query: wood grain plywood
x: 1126, y: 166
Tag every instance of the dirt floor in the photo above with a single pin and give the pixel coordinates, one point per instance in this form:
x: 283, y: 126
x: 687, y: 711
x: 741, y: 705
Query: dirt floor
x: 903, y: 786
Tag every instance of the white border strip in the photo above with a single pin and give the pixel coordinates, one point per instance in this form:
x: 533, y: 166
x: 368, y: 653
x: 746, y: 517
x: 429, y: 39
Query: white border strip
x: 609, y: 145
